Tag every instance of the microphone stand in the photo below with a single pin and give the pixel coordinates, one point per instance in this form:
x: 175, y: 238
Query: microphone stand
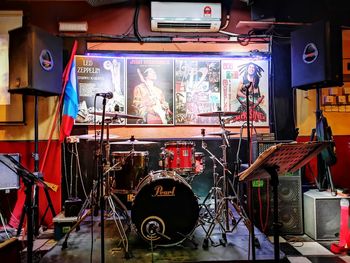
x: 251, y: 209
x: 100, y: 182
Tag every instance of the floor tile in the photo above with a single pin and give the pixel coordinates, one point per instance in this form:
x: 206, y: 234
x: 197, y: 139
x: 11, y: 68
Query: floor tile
x: 312, y: 248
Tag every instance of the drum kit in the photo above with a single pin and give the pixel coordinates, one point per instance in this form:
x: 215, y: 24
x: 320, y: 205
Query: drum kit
x: 164, y: 209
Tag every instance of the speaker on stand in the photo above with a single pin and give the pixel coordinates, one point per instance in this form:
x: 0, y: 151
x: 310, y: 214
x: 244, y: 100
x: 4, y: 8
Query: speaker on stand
x: 35, y: 69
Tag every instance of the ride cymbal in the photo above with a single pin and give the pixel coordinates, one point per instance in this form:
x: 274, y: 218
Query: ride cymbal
x: 217, y: 114
x: 90, y: 137
x: 118, y: 115
x: 133, y: 142
x: 220, y: 133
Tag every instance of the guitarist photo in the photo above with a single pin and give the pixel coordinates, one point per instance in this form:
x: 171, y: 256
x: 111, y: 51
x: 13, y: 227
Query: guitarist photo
x: 149, y: 101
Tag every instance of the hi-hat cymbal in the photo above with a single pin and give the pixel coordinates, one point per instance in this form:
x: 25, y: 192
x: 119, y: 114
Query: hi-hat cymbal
x: 218, y: 113
x: 118, y: 115
x: 90, y: 137
x: 133, y: 142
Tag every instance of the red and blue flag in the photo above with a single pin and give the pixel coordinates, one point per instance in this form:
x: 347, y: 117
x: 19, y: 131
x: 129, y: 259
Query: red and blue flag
x: 70, y: 103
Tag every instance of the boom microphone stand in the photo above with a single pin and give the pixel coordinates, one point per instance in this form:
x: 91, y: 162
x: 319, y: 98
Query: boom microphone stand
x: 251, y: 209
x: 100, y: 181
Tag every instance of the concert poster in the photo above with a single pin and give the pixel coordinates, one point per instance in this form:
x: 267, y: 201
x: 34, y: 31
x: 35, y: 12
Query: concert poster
x: 100, y: 74
x: 239, y: 78
x: 197, y: 90
x: 150, y: 92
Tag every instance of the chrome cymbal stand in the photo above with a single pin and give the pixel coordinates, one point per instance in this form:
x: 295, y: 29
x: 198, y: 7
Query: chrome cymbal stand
x: 220, y: 215
x: 112, y: 201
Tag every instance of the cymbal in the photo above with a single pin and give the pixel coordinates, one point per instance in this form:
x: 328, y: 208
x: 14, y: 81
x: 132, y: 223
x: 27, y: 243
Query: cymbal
x: 212, y: 134
x: 134, y: 142
x: 118, y: 115
x: 92, y: 136
x: 218, y: 113
x: 221, y: 133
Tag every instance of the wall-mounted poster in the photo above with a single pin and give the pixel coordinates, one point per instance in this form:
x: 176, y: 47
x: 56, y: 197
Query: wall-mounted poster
x: 197, y: 90
x: 150, y: 92
x: 238, y: 77
x: 99, y: 74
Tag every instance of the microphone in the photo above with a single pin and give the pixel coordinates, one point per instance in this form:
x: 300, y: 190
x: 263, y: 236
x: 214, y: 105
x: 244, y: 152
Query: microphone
x: 107, y: 95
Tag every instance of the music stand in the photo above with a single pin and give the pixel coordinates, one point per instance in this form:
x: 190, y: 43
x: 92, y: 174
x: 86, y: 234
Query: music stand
x: 280, y: 159
x: 29, y: 180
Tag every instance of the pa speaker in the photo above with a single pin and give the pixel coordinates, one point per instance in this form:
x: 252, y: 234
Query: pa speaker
x: 35, y: 62
x: 316, y: 52
x: 322, y: 215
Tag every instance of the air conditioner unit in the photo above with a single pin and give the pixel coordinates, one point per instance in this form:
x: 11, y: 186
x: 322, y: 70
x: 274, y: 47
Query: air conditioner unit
x: 185, y: 17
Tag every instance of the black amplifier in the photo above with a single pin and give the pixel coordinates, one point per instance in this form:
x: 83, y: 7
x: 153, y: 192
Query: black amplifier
x: 72, y: 207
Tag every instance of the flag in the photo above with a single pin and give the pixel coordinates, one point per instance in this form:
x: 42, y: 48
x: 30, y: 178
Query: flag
x: 70, y: 103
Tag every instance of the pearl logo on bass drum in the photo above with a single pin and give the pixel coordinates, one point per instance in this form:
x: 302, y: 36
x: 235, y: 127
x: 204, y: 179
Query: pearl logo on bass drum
x: 310, y: 53
x: 159, y: 192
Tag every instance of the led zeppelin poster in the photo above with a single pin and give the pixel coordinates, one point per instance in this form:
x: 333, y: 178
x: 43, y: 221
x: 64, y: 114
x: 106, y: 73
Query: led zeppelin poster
x: 99, y: 74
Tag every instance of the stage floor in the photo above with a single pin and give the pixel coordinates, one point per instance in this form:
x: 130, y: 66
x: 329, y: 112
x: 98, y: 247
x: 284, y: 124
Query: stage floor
x: 85, y: 244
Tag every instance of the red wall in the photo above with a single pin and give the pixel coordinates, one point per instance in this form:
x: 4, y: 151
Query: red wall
x: 340, y: 171
x: 51, y: 174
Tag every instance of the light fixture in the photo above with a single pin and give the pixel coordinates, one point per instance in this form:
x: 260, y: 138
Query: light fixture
x: 73, y: 26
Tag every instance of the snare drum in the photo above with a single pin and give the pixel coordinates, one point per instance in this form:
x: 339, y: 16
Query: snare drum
x: 179, y: 157
x: 200, y: 162
x: 132, y: 167
x: 165, y: 210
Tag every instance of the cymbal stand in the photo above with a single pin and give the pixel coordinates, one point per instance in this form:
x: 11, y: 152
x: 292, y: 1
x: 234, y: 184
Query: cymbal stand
x: 111, y: 199
x: 220, y: 197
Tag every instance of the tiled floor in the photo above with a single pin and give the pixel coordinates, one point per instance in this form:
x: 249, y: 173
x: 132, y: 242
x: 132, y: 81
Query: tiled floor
x: 300, y: 249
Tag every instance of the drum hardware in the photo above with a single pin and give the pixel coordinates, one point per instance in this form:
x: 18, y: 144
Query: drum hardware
x: 132, y: 141
x: 223, y: 203
x: 93, y: 137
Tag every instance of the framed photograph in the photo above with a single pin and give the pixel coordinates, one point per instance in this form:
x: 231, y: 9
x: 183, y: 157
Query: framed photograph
x: 11, y: 105
x: 197, y: 90
x: 100, y: 74
x: 150, y: 90
x: 242, y: 77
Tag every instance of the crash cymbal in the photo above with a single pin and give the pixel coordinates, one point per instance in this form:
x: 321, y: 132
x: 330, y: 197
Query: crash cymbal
x: 218, y: 113
x: 219, y: 133
x: 90, y: 137
x: 118, y: 115
x: 134, y: 142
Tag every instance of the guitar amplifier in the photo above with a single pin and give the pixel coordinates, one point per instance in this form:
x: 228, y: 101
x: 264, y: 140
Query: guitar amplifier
x: 9, y: 179
x: 72, y: 207
x: 258, y: 147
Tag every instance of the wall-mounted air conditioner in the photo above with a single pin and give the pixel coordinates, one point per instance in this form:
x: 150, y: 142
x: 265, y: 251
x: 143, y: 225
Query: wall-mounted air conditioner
x: 185, y: 17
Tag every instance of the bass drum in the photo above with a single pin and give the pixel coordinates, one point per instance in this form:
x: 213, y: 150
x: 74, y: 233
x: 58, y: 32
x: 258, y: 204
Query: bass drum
x: 165, y: 210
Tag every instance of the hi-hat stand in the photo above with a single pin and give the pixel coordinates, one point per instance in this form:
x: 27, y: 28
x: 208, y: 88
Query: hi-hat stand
x: 224, y: 205
x: 104, y: 191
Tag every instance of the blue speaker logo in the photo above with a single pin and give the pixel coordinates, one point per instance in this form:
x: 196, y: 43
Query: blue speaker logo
x: 310, y: 53
x: 46, y: 60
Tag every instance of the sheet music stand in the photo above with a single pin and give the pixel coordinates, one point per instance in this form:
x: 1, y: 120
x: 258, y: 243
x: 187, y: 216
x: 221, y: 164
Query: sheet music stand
x: 280, y: 159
